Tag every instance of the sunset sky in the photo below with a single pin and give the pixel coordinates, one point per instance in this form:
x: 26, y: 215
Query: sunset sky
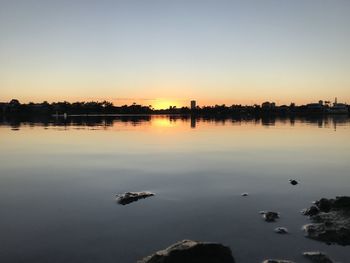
x: 162, y: 52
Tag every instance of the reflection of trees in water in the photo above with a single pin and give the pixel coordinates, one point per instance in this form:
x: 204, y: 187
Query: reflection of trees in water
x: 79, y: 121
x: 106, y: 122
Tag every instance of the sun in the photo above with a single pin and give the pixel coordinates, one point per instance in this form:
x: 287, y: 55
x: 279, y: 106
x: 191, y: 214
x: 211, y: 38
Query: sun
x: 160, y: 104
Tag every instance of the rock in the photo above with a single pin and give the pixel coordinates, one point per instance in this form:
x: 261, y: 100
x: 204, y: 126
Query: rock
x: 293, y: 182
x: 313, y: 210
x: 325, y: 205
x: 244, y: 194
x: 277, y: 261
x: 130, y: 197
x: 188, y: 251
x: 281, y: 230
x: 342, y: 202
x: 317, y: 257
x: 331, y: 223
x: 270, y: 216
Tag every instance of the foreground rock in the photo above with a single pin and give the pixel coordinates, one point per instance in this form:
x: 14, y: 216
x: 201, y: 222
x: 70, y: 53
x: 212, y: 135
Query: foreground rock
x: 130, y: 197
x: 317, y: 257
x: 277, y: 261
x: 330, y: 220
x: 270, y: 216
x: 188, y: 251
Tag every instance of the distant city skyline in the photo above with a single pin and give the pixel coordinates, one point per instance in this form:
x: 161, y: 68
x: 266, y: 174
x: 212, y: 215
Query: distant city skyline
x: 191, y: 104
x: 166, y: 103
x: 166, y: 53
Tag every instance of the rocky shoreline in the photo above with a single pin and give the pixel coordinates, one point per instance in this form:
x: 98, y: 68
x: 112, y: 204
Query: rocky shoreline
x: 189, y: 251
x: 330, y: 223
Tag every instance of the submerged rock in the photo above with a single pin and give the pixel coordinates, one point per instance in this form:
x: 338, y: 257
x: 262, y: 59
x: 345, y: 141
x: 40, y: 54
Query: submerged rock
x: 281, y: 230
x: 130, y: 197
x: 330, y: 221
x: 270, y: 216
x: 188, y: 251
x: 317, y: 257
x: 277, y: 261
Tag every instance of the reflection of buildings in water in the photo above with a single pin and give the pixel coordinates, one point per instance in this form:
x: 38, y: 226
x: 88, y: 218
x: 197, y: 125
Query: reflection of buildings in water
x: 268, y: 121
x: 193, y: 122
x: 105, y: 122
x: 326, y: 123
x: 292, y: 121
x: 338, y: 120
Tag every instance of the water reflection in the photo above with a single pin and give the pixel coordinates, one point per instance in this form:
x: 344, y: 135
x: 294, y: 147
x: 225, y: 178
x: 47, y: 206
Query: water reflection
x: 57, y: 189
x: 106, y: 122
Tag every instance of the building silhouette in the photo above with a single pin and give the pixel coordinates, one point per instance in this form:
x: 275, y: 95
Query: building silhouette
x: 193, y: 104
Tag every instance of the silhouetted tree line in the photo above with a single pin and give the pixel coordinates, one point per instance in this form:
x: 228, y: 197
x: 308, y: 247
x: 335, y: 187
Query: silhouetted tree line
x: 76, y: 108
x: 14, y: 107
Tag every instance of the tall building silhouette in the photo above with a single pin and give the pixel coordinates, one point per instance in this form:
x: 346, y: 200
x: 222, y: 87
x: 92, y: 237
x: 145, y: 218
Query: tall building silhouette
x: 193, y: 104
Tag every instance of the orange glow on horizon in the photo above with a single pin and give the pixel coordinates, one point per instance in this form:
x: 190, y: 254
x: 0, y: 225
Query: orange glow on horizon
x: 159, y: 104
x: 166, y: 102
x: 163, y: 122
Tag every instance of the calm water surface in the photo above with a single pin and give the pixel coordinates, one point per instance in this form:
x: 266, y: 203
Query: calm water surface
x: 58, y: 181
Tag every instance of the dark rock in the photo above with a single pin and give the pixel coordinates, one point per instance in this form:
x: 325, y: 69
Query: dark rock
x: 277, y: 261
x: 130, y: 197
x: 293, y: 182
x: 313, y: 210
x: 270, y: 216
x: 342, y: 202
x: 317, y: 257
x: 281, y: 230
x: 325, y: 204
x: 188, y: 251
x: 332, y: 223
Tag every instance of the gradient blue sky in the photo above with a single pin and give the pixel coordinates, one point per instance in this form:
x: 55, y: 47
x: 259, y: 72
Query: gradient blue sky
x: 167, y: 52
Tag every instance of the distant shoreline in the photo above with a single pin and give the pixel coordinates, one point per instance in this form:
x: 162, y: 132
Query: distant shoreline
x: 15, y: 108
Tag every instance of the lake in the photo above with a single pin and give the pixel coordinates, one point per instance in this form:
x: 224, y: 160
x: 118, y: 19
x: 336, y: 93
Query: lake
x: 59, y: 178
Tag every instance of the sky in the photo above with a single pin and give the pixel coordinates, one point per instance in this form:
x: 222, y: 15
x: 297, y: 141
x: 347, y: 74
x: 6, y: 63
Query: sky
x: 162, y: 52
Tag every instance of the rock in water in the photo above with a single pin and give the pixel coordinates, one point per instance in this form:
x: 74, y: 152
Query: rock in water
x: 330, y: 221
x: 188, y: 251
x: 270, y: 216
x: 281, y: 230
x: 313, y: 210
x: 317, y: 257
x: 293, y: 182
x: 342, y: 202
x: 130, y: 197
x: 277, y: 261
x: 324, y: 204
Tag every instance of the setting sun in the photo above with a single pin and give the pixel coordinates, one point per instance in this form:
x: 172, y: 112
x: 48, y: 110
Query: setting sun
x: 164, y: 104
